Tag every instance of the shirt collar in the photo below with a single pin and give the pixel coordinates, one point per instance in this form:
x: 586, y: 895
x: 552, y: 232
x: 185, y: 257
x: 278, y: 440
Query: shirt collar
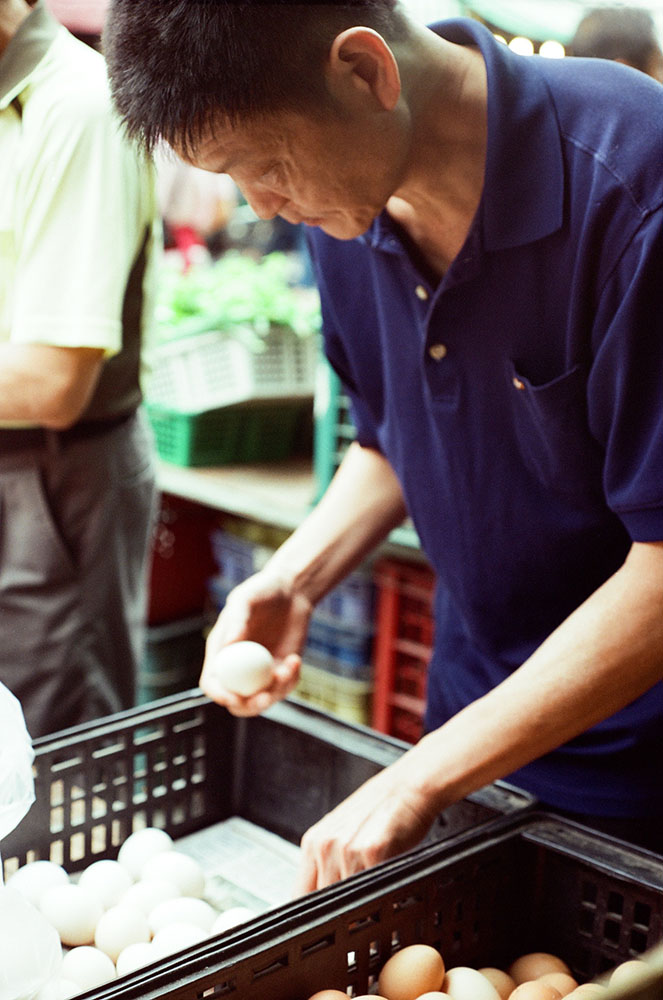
x: 25, y: 51
x: 523, y: 194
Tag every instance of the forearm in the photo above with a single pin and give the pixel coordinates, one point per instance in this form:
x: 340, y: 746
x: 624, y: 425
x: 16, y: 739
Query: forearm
x: 606, y: 654
x: 360, y: 507
x: 46, y: 385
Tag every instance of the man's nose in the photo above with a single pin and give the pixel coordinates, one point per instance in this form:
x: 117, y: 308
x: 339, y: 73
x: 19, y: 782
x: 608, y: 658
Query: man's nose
x: 265, y: 203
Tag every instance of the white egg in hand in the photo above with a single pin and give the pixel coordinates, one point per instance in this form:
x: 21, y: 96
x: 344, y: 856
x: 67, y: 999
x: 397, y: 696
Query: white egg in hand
x: 179, y: 868
x: 243, y: 667
x: 107, y: 880
x: 88, y: 967
x: 121, y: 926
x: 142, y: 845
x: 73, y: 911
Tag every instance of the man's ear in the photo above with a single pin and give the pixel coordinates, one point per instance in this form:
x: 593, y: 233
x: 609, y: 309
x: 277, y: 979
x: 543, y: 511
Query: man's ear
x: 361, y: 60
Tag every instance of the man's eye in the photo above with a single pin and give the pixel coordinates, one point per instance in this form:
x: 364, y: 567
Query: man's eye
x: 273, y: 174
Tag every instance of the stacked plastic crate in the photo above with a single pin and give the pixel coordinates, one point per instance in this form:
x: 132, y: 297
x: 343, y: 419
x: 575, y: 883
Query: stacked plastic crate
x: 403, y: 646
x: 180, y: 564
x: 336, y: 672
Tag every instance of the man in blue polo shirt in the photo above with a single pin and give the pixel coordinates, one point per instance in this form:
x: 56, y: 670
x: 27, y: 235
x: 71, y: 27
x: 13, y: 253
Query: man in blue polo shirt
x: 487, y: 232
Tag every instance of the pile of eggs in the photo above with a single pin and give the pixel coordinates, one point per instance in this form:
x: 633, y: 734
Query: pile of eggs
x: 119, y: 916
x: 418, y: 972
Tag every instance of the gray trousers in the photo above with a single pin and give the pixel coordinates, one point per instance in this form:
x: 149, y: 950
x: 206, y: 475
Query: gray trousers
x: 76, y: 523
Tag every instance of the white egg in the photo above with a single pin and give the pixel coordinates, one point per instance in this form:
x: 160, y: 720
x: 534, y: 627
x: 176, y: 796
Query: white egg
x: 243, y: 667
x: 464, y: 983
x: 119, y: 927
x: 73, y: 911
x: 146, y: 893
x: 174, y: 866
x: 135, y: 956
x: 232, y: 918
x: 88, y: 967
x: 175, y: 937
x: 184, y: 910
x: 60, y: 989
x: 32, y: 879
x: 108, y: 880
x: 142, y: 845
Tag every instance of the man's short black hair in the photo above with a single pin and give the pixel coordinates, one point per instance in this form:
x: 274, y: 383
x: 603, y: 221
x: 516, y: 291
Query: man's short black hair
x: 624, y: 33
x: 177, y: 66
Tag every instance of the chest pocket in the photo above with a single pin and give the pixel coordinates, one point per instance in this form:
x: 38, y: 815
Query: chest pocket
x: 553, y: 435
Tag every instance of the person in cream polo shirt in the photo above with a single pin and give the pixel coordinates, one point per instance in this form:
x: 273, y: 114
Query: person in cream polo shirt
x: 78, y: 243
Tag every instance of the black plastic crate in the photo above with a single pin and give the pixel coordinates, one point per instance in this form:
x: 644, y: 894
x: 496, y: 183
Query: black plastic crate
x: 183, y: 764
x: 524, y: 883
x: 483, y: 898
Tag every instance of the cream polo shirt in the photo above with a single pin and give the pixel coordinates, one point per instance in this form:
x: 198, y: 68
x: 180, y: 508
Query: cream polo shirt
x: 76, y: 201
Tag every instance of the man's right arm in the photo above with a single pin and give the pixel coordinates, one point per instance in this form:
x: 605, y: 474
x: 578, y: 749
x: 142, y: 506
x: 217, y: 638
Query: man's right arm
x: 361, y: 506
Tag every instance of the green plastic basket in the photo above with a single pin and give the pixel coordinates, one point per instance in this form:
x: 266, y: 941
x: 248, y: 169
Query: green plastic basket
x: 230, y: 435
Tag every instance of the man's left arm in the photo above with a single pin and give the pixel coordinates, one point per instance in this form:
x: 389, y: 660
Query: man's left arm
x: 602, y: 657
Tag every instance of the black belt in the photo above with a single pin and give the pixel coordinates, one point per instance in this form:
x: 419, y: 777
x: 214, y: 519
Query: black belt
x: 27, y: 438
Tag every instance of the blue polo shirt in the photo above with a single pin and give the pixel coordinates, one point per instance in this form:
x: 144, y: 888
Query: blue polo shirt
x: 520, y: 399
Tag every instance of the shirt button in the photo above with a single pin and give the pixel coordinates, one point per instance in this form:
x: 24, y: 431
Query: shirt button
x: 437, y: 352
x: 421, y: 293
x: 518, y: 383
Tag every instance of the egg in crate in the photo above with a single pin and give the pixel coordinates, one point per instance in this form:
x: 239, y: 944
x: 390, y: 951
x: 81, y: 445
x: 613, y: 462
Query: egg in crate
x: 146, y: 893
x: 121, y: 926
x: 535, y: 964
x: 74, y: 912
x: 182, y: 910
x: 107, y: 880
x: 178, y: 868
x: 175, y: 937
x: 562, y: 981
x: 34, y: 878
x: 415, y: 969
x: 501, y: 980
x: 135, y: 956
x: 534, y: 989
x: 232, y: 917
x: 88, y: 967
x: 140, y: 846
x: 463, y: 983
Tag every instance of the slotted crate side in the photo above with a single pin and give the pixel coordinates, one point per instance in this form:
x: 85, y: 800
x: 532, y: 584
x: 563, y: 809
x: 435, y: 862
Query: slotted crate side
x: 95, y: 784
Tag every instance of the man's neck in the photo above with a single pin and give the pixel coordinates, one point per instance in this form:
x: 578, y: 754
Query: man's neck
x: 12, y: 15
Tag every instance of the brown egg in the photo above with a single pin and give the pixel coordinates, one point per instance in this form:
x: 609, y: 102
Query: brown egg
x: 629, y: 973
x: 535, y: 990
x: 435, y: 995
x: 329, y: 995
x: 415, y: 969
x: 534, y: 965
x: 562, y: 981
x: 501, y: 980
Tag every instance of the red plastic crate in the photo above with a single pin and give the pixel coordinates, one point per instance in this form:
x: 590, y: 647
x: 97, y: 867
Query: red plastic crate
x: 181, y: 560
x: 402, y: 647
